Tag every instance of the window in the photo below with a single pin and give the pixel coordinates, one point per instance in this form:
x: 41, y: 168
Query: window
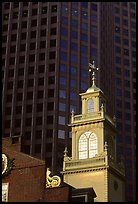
x: 94, y: 52
x: 117, y: 39
x: 5, y: 188
x: 4, y: 39
x: 40, y: 94
x: 125, y: 41
x: 32, y: 46
x: 73, y: 108
x: 14, y: 26
x: 8, y: 110
x: 6, y: 5
x: 19, y: 96
x: 30, y: 70
x: 74, y: 58
x: 53, y: 31
x: 50, y: 119
x: 90, y: 105
x: 62, y: 107
x: 6, y: 16
x: 63, y: 43
x: 84, y: 14
x: 43, y: 33
x: 5, y: 27
x: 87, y: 145
x: 61, y: 120
x: 38, y: 120
x: 73, y: 96
x: 83, y: 86
x: 74, y: 34
x: 32, y: 58
x: 94, y: 7
x: 13, y: 37
x: 25, y: 13
x: 63, y: 81
x: 63, y: 67
x: 41, y: 81
x: 25, y: 3
x: 52, y: 55
x: 84, y: 4
x: 9, y: 98
x: 53, y: 19
x: 63, y: 56
x: 42, y: 44
x: 84, y: 49
x: 94, y: 17
x: 54, y: 8
x: 51, y: 67
x: 73, y: 70
x: 28, y: 121
x: 73, y: 83
x: 43, y: 21
x: 62, y: 94
x: 23, y: 36
x: 64, y: 20
x: 50, y: 106
x: 64, y: 31
x: 74, y: 46
x: 28, y: 108
x: 74, y: 23
x: 49, y: 133
x: 41, y: 68
x: 61, y: 134
x: 84, y: 73
x: 53, y: 43
x: 10, y: 85
x: 34, y: 12
x: 33, y: 34
x: 42, y: 56
x: 11, y: 73
x: 94, y: 28
x: 50, y: 92
x: 30, y: 95
x: 117, y: 29
x: 84, y: 37
x: 30, y: 82
x: 11, y: 60
x: 24, y: 24
x: 22, y: 47
x: 34, y: 23
x: 38, y: 134
x: 44, y: 10
x: 51, y: 80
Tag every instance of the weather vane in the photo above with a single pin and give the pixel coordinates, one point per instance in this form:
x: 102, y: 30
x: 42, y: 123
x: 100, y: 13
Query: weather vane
x: 93, y: 69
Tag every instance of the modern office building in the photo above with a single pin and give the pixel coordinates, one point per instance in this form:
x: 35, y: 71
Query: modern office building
x: 46, y: 50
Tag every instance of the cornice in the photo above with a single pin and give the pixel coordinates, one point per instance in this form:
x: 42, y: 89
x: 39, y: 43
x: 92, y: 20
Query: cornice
x: 76, y: 171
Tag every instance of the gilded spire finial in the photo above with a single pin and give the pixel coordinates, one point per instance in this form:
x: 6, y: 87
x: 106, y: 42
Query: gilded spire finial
x: 93, y: 69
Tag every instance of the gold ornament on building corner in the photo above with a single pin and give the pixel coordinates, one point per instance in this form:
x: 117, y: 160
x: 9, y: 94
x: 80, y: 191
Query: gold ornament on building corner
x: 52, y: 181
x: 7, y: 165
x: 4, y: 163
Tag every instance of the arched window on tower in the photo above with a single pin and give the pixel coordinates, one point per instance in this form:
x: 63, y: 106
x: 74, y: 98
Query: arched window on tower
x: 90, y: 105
x: 88, y: 145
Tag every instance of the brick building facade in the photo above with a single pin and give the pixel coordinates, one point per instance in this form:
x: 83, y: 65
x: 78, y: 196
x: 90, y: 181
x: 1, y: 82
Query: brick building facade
x: 26, y: 181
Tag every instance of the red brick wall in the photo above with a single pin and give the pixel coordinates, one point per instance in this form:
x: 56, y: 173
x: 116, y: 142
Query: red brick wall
x: 26, y: 185
x: 59, y: 194
x: 27, y: 178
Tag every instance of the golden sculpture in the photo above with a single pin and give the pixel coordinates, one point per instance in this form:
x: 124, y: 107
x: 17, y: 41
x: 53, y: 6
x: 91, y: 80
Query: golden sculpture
x: 52, y: 181
x: 4, y: 163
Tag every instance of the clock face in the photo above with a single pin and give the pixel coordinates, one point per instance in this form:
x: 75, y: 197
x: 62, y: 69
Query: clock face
x: 4, y: 163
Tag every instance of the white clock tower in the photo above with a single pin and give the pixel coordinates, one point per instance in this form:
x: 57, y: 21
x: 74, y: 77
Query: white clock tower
x: 93, y: 162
